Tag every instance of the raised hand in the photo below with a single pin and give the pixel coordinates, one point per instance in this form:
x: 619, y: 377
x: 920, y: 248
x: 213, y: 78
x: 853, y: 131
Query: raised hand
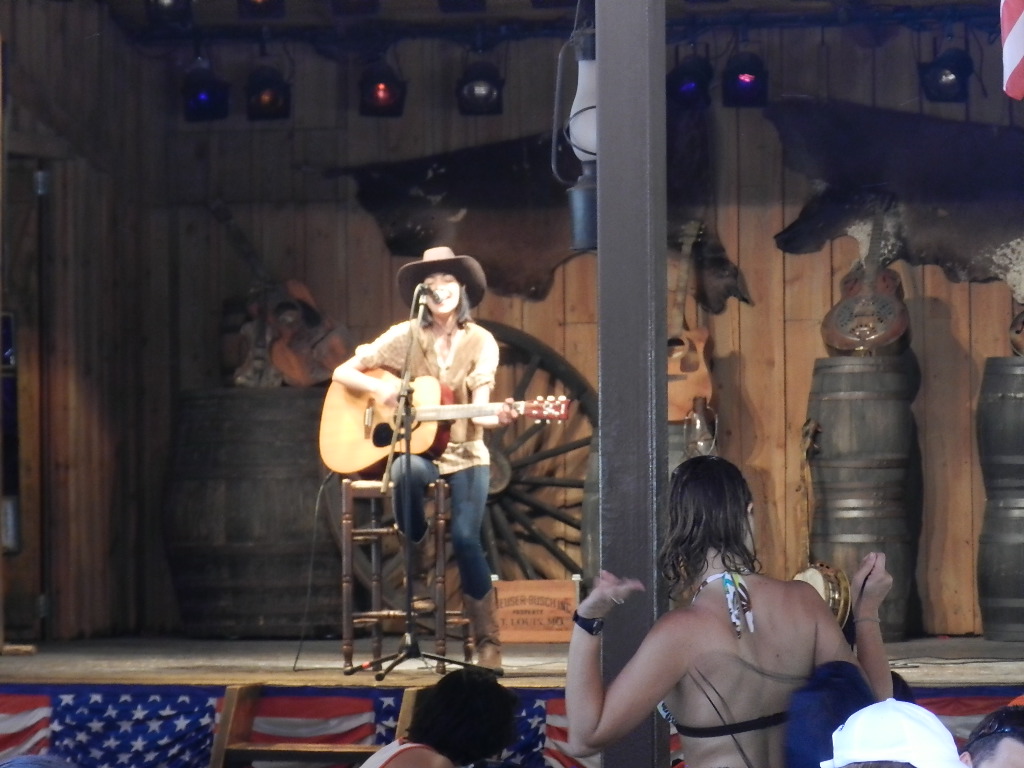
x: 870, y: 585
x: 608, y: 590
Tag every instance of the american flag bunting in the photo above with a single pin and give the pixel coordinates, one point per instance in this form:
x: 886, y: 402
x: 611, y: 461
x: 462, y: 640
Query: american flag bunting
x: 1013, y: 47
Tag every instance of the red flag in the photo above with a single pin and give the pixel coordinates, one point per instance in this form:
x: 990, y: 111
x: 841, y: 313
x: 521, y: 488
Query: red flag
x: 1013, y: 47
x: 24, y: 723
x: 318, y: 719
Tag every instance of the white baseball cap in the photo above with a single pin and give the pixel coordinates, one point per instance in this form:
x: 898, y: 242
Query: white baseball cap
x: 895, y: 731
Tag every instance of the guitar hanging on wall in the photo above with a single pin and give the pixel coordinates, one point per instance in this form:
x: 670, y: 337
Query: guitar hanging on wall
x: 356, y: 431
x: 871, y: 318
x: 689, y: 376
x: 289, y: 338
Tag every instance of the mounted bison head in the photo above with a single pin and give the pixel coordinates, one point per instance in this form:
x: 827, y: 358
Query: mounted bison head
x: 952, y: 192
x: 498, y: 202
x: 501, y: 203
x: 834, y: 212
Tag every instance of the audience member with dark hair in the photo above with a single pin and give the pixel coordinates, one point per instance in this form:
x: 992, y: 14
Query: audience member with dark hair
x: 893, y: 734
x: 466, y: 717
x: 997, y: 741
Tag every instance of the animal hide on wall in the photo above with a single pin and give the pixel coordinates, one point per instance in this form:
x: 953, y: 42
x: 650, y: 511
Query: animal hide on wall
x: 501, y: 203
x: 952, y: 192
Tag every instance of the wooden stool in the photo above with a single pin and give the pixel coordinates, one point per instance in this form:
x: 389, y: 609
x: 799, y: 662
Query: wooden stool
x: 372, y: 536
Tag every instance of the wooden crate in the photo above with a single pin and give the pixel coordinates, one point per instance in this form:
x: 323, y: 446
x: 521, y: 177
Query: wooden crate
x: 536, y: 611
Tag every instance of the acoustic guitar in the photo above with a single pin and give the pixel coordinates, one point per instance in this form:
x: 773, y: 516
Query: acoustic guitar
x: 303, y: 346
x: 688, y: 375
x: 871, y: 317
x: 356, y: 431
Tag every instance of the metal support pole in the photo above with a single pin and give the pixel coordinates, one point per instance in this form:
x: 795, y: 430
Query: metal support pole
x: 631, y: 213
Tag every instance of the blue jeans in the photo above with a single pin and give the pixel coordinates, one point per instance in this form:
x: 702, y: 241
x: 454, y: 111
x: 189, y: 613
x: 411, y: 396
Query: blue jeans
x: 468, y: 505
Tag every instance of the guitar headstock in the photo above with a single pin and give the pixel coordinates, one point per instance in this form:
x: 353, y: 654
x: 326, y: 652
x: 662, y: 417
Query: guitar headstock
x: 548, y: 408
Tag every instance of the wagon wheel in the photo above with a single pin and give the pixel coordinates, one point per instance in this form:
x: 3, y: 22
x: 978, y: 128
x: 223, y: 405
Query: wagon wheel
x: 538, y: 470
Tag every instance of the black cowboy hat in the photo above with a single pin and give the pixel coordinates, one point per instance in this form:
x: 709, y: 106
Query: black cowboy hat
x: 465, y: 269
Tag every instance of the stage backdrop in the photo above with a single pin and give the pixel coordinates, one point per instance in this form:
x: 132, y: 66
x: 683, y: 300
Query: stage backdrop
x: 118, y: 279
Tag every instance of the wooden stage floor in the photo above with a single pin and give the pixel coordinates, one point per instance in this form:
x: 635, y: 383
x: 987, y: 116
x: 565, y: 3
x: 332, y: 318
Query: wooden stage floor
x: 101, y: 702
x: 928, y: 662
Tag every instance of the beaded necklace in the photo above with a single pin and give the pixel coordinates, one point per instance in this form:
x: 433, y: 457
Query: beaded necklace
x: 737, y: 597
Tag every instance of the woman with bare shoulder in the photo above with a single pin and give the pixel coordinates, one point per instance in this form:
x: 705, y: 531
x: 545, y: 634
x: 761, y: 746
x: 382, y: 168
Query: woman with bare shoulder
x: 723, y: 664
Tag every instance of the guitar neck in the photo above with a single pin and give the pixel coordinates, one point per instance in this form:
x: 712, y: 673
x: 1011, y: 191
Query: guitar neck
x: 460, y: 411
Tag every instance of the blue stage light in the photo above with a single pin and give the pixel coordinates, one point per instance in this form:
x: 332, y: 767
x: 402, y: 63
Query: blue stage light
x: 204, y: 97
x: 686, y: 85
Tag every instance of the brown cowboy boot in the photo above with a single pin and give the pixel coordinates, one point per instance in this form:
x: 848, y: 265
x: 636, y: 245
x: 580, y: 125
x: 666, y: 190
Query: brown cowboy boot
x: 422, y: 573
x: 483, y: 621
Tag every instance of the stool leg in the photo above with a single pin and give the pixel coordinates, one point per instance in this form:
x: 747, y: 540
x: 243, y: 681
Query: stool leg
x: 376, y: 585
x: 347, y: 632
x: 468, y: 646
x: 440, y: 566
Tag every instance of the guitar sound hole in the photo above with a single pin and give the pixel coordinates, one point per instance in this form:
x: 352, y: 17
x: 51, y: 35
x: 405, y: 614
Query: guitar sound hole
x: 382, y: 435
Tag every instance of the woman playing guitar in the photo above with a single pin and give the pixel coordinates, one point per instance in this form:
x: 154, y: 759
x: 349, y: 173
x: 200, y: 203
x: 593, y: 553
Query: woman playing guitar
x: 450, y: 347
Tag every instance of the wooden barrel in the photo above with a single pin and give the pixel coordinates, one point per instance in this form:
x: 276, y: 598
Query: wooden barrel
x: 861, y: 470
x: 1000, y: 427
x: 241, y: 512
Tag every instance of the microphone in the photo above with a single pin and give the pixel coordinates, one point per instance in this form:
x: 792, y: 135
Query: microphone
x: 431, y: 293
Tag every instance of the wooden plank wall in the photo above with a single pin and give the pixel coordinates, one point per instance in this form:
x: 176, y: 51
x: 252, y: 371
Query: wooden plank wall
x: 955, y: 327
x: 141, y: 271
x: 82, y: 113
x: 764, y: 354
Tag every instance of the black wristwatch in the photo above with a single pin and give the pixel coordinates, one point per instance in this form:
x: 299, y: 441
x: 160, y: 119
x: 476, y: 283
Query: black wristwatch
x: 591, y: 626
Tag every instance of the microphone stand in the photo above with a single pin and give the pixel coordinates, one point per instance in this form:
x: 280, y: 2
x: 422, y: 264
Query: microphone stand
x: 409, y: 647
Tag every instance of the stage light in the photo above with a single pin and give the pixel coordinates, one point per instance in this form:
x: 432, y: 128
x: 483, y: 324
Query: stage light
x: 381, y: 91
x: 169, y: 12
x: 204, y: 97
x: 687, y: 84
x: 946, y: 78
x: 261, y: 9
x: 745, y: 81
x: 462, y: 6
x: 268, y: 96
x: 478, y: 91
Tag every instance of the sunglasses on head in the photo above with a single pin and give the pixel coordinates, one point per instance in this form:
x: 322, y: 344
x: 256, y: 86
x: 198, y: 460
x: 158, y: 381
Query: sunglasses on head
x: 1006, y: 721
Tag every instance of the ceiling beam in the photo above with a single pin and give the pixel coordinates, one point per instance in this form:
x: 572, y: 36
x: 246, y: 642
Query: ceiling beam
x: 687, y: 21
